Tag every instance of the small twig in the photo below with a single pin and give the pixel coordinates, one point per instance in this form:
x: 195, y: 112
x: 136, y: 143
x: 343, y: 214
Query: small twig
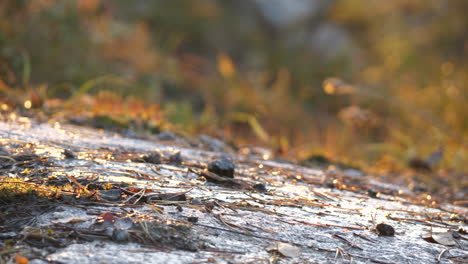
x: 8, y: 158
x: 364, y: 237
x: 213, y: 177
x: 141, y: 195
x: 262, y: 228
x: 324, y: 196
x: 14, y: 141
x: 155, y: 209
x: 347, y: 241
x: 255, y: 209
x: 142, y: 191
x: 461, y: 259
x: 265, y: 202
x: 231, y: 225
x: 339, y: 252
x: 441, y: 254
x: 71, y: 178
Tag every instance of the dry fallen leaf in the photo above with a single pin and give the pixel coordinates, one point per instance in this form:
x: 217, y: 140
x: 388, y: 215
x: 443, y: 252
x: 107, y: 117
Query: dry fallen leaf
x: 445, y: 238
x: 285, y: 249
x: 19, y: 259
x: 109, y: 217
x: 76, y: 220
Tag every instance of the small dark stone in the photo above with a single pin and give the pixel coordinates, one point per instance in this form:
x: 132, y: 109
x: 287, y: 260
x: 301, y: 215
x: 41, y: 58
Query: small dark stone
x: 419, y: 165
x: 154, y: 158
x: 330, y: 184
x: 120, y: 235
x: 316, y: 161
x: 110, y: 195
x: 260, y: 187
x: 167, y: 136
x: 69, y: 154
x: 385, y: 230
x: 209, y: 206
x: 419, y: 188
x: 195, y: 202
x: 462, y: 231
x: 176, y: 158
x: 192, y: 219
x: 179, y: 208
x: 224, y: 168
x: 319, y: 159
x: 171, y: 197
x: 372, y: 193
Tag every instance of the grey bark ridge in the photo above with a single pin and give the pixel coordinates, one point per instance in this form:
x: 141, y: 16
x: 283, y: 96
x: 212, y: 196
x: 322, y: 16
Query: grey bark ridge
x: 296, y: 217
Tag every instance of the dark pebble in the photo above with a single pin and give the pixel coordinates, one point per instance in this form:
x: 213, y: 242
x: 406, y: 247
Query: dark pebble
x: 209, y: 206
x: 372, y: 193
x: 419, y: 188
x: 176, y: 158
x: 179, y: 208
x: 385, y: 230
x: 171, y: 197
x: 260, y: 187
x: 224, y: 168
x: 192, y: 219
x: 69, y: 154
x: 110, y: 195
x: 166, y: 136
x: 330, y: 184
x: 195, y: 202
x: 419, y: 165
x: 462, y: 231
x: 154, y: 158
x: 120, y: 235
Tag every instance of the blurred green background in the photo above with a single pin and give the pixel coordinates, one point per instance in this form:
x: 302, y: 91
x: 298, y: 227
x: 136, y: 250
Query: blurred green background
x: 368, y: 82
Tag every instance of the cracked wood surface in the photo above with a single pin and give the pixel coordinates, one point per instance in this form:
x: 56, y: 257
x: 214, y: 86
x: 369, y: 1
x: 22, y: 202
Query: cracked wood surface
x: 305, y: 216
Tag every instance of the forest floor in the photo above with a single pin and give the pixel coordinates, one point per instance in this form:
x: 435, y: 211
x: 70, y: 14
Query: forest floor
x: 74, y: 194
